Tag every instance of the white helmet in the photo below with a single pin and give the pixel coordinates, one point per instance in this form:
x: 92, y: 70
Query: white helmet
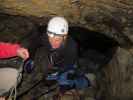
x: 58, y: 25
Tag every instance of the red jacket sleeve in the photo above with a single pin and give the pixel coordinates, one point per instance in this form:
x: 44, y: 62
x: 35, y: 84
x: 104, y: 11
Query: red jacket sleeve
x: 8, y: 50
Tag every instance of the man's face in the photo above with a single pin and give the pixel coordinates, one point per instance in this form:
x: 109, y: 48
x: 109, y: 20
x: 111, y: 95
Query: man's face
x: 56, y: 40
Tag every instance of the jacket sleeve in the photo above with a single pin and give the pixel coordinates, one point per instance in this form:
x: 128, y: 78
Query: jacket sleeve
x: 8, y: 50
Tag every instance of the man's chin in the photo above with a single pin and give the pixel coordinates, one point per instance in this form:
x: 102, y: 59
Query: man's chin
x: 55, y: 46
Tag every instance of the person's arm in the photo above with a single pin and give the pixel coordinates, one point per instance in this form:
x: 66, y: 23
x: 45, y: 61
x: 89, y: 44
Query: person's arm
x: 8, y: 50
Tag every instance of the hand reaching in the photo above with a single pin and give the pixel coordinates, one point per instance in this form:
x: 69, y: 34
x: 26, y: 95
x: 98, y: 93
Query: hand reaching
x: 23, y: 53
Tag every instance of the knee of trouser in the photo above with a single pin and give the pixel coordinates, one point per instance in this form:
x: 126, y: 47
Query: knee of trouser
x: 8, y: 79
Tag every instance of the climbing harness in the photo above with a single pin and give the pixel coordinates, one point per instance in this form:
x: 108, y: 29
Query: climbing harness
x: 68, y: 79
x: 28, y: 65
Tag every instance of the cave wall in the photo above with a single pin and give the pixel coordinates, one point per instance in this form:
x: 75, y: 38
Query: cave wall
x: 119, y: 76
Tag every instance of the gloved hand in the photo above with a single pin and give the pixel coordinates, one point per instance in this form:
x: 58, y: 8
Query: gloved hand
x: 71, y: 75
x: 28, y: 66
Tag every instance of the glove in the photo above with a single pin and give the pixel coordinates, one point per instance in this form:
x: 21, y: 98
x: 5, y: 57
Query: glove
x: 28, y: 66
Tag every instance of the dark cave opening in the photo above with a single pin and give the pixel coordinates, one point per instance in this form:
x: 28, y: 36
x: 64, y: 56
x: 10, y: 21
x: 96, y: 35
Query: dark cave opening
x: 92, y: 40
x: 95, y: 49
x: 95, y: 52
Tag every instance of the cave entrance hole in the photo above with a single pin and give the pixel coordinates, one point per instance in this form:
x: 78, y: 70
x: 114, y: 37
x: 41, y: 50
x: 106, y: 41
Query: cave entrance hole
x: 95, y: 51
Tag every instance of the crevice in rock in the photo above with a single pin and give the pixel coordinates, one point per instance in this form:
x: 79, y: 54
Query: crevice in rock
x: 93, y: 46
